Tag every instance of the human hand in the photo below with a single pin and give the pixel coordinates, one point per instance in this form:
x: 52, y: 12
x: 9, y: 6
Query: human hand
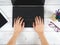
x: 18, y: 25
x: 38, y: 25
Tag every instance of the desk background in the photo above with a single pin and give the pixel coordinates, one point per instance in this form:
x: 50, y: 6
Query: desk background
x: 29, y: 36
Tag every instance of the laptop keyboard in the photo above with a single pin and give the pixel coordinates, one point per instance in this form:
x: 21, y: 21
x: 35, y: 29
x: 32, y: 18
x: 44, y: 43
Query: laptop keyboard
x: 28, y: 13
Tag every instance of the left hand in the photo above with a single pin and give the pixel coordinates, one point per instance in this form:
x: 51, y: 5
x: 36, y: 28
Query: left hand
x: 18, y: 25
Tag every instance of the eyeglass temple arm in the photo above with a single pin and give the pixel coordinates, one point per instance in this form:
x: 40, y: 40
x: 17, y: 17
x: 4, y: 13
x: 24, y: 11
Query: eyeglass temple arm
x: 55, y: 25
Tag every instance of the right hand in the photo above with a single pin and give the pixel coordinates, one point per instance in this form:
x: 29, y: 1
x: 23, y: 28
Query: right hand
x: 38, y: 25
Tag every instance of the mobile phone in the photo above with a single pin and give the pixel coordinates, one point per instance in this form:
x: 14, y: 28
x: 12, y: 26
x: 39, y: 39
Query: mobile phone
x: 3, y: 19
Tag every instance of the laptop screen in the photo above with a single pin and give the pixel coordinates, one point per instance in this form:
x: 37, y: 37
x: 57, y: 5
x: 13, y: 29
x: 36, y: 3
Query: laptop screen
x: 28, y: 2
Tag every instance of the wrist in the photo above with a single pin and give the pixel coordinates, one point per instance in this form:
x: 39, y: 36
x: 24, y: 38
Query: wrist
x: 41, y: 35
x: 15, y: 34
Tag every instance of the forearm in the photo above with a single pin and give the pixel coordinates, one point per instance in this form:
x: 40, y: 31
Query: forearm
x: 18, y: 27
x: 12, y: 41
x: 43, y: 40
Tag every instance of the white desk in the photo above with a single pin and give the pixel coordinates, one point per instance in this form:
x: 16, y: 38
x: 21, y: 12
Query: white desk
x: 28, y: 36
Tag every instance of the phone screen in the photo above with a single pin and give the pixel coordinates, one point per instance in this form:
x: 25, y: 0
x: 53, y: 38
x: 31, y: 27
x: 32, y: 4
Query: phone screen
x: 2, y: 20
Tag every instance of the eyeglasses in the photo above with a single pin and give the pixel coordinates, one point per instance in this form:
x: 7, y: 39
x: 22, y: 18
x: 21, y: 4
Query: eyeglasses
x: 56, y: 28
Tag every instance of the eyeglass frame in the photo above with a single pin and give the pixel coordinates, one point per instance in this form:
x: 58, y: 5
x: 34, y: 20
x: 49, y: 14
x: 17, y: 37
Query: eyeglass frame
x: 55, y: 26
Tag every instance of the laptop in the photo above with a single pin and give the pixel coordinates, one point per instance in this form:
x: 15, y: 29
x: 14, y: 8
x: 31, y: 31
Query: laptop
x: 28, y: 9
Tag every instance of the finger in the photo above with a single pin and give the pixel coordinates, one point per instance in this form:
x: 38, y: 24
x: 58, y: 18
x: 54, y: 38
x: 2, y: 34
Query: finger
x: 42, y: 21
x: 17, y: 18
x: 36, y: 20
x: 39, y: 19
x: 23, y: 24
x: 33, y: 25
x: 21, y: 21
x: 14, y: 20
